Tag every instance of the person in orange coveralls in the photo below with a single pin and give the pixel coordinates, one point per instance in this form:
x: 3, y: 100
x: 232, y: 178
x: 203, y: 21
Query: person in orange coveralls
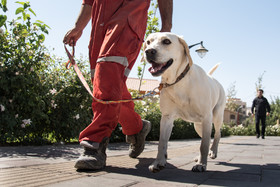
x: 118, y: 29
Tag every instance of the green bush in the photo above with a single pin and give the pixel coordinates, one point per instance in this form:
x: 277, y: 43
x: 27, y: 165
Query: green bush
x: 240, y: 130
x: 275, y: 111
x: 250, y: 130
x: 22, y: 61
x: 40, y: 101
x: 226, y: 130
x: 272, y: 130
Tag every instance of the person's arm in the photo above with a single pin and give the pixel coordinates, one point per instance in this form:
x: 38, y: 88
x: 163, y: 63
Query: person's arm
x: 253, y: 107
x: 267, y: 107
x: 89, y: 2
x: 75, y: 33
x: 166, y: 11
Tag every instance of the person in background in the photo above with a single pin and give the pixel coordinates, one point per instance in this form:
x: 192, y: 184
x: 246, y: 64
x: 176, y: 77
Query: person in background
x: 261, y: 109
x: 118, y: 30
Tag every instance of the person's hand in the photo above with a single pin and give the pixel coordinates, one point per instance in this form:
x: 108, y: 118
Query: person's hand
x: 253, y: 115
x: 267, y: 113
x: 72, y: 36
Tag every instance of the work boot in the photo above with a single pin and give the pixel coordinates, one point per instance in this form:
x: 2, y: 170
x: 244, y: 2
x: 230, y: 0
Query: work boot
x: 137, y: 141
x: 94, y: 156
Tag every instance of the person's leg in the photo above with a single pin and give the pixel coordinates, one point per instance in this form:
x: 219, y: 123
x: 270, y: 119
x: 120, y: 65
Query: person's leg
x: 263, y: 118
x: 257, y: 118
x: 108, y: 85
x: 133, y: 127
x: 130, y: 121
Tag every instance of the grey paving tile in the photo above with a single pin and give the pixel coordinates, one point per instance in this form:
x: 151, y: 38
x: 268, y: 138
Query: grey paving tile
x: 93, y: 181
x: 229, y: 183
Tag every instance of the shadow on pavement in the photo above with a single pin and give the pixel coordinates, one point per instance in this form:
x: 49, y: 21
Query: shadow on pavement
x: 67, y: 152
x: 61, y: 151
x: 238, y: 175
x: 171, y: 173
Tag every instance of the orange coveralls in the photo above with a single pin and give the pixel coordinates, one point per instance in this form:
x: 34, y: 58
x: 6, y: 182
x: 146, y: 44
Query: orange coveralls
x: 118, y: 29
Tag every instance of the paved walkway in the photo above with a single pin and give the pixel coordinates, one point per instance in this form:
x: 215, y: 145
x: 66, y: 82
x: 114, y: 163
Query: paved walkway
x: 242, y: 161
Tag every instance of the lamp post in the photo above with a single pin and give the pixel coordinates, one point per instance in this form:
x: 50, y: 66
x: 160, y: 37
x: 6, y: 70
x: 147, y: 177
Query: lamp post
x: 201, y: 51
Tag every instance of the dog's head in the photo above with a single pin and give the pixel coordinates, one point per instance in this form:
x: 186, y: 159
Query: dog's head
x: 165, y: 51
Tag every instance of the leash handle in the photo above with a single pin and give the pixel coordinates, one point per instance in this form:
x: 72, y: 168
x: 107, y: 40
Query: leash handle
x: 71, y: 60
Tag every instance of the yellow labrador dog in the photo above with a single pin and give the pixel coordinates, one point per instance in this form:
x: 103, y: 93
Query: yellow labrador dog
x: 188, y: 93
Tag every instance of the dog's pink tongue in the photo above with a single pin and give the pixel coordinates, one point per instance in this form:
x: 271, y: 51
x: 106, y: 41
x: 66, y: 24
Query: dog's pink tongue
x: 155, y: 68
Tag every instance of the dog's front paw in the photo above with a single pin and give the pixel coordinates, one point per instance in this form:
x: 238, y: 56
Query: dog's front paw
x: 156, y: 167
x: 212, y: 155
x: 199, y: 168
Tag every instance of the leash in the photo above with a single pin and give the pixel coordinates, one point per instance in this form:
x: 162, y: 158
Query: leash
x: 72, y: 62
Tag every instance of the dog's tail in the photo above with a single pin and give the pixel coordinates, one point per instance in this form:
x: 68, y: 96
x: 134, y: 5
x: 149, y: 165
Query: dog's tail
x: 213, y: 69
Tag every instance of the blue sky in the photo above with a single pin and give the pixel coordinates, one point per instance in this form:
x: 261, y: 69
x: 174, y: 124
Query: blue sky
x: 241, y: 35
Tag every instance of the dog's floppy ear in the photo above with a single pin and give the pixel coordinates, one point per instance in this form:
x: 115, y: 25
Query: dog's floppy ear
x: 144, y: 48
x: 186, y: 49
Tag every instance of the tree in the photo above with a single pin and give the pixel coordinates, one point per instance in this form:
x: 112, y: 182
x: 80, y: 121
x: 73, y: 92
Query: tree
x: 259, y: 82
x: 231, y: 95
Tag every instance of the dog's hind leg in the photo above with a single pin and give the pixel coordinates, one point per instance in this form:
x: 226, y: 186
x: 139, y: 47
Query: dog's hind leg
x: 218, y: 122
x: 166, y: 125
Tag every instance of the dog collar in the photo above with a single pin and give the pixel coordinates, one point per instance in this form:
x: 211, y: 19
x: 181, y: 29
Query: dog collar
x: 183, y: 74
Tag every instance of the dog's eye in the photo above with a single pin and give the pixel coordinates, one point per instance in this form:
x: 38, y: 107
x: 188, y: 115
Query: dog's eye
x: 148, y: 42
x: 166, y: 41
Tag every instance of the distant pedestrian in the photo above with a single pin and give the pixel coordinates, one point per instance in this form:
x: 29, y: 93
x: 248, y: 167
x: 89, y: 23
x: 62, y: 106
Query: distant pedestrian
x: 262, y: 109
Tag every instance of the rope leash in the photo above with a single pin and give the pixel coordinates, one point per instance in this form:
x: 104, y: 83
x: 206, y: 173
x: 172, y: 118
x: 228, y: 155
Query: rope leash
x: 72, y: 62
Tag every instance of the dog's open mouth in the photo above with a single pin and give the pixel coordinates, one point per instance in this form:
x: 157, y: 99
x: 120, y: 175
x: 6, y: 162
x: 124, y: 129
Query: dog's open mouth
x: 158, y: 69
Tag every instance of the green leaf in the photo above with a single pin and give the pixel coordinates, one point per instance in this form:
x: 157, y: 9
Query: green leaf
x: 26, y: 5
x: 4, y: 2
x: 3, y: 19
x: 4, y: 5
x: 24, y: 16
x: 5, y: 8
x: 24, y: 32
x: 28, y: 16
x: 39, y: 21
x: 32, y: 11
x: 19, y: 10
x: 47, y: 26
x: 41, y: 37
x: 22, y: 3
x: 37, y: 24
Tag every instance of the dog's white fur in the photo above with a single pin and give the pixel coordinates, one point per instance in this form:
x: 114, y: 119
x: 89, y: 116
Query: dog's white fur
x: 197, y: 98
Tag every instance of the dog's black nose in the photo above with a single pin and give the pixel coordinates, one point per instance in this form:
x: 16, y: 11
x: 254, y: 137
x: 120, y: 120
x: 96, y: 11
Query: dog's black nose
x: 151, y: 52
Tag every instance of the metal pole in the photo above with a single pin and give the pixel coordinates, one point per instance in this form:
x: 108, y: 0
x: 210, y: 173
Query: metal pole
x: 195, y: 44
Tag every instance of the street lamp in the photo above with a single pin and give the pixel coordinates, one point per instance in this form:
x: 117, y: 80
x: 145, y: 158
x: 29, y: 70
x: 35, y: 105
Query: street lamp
x: 201, y: 51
